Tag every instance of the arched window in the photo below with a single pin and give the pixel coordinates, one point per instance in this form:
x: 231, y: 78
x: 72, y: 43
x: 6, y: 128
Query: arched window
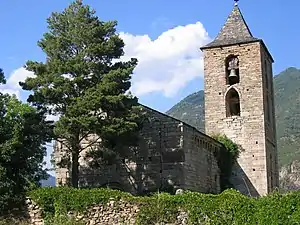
x: 232, y: 70
x: 233, y: 103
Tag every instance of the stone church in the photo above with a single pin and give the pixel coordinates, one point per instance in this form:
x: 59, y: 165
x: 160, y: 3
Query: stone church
x: 239, y: 102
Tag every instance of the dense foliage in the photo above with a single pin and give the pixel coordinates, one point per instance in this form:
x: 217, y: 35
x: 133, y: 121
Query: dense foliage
x: 23, y: 133
x: 287, y: 105
x: 226, y: 158
x: 229, y: 207
x: 82, y: 81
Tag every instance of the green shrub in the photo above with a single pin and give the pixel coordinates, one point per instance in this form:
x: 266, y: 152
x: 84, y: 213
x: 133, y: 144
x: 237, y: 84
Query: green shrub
x: 60, y: 200
x: 228, y: 208
x: 226, y: 157
x: 5, y: 221
x: 279, y: 209
x: 158, y: 209
x: 62, y: 220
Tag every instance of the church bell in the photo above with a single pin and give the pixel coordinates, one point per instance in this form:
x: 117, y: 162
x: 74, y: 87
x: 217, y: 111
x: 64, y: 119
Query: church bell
x: 232, y: 74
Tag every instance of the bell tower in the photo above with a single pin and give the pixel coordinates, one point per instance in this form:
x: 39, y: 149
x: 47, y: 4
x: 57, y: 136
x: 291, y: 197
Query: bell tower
x: 239, y: 102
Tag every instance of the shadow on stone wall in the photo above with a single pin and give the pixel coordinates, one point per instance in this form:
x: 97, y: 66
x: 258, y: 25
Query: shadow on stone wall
x: 241, y: 182
x: 170, y: 155
x: 153, y: 168
x: 155, y: 165
x: 136, y: 178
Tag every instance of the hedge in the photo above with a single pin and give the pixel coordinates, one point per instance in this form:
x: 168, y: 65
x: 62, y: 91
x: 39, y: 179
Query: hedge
x: 229, y: 207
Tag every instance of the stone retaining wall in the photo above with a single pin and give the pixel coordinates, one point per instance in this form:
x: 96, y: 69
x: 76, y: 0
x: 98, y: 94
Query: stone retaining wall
x: 113, y: 213
x: 35, y: 212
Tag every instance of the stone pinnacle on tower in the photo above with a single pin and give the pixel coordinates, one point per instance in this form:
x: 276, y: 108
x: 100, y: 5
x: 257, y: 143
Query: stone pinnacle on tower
x: 236, y: 2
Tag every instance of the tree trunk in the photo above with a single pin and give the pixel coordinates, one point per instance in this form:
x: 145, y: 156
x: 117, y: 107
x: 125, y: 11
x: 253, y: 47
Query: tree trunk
x: 75, y: 163
x: 75, y: 168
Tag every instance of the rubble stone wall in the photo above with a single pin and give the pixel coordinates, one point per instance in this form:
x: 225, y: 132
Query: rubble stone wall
x: 114, y: 212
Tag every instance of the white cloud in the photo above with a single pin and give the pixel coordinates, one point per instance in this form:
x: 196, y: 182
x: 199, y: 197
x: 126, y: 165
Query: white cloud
x: 167, y: 63
x: 12, y: 84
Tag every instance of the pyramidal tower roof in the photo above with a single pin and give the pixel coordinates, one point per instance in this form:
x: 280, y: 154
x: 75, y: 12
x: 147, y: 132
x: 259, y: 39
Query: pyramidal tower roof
x: 234, y: 31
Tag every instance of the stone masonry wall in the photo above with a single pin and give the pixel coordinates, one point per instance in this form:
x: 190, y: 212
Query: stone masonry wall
x: 114, y: 212
x: 201, y: 169
x: 270, y: 121
x: 250, y: 174
x: 168, y: 156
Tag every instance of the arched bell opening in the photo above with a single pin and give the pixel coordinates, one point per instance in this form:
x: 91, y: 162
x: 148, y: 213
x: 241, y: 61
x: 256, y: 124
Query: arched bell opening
x: 233, y: 107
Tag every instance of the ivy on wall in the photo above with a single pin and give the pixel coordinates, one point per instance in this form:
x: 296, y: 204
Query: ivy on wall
x: 229, y: 207
x: 226, y: 157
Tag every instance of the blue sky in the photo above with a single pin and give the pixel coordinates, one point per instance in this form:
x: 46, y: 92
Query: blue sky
x: 23, y: 23
x: 164, y: 35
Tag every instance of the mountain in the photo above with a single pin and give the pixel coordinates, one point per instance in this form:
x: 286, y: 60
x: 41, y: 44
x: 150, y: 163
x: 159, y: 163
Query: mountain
x: 287, y: 109
x: 50, y: 182
x: 190, y: 110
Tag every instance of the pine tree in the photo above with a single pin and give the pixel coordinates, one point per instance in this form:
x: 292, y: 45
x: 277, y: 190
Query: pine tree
x: 83, y: 81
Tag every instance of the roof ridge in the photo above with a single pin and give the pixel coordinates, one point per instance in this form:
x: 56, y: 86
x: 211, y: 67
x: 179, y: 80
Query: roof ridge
x: 178, y: 120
